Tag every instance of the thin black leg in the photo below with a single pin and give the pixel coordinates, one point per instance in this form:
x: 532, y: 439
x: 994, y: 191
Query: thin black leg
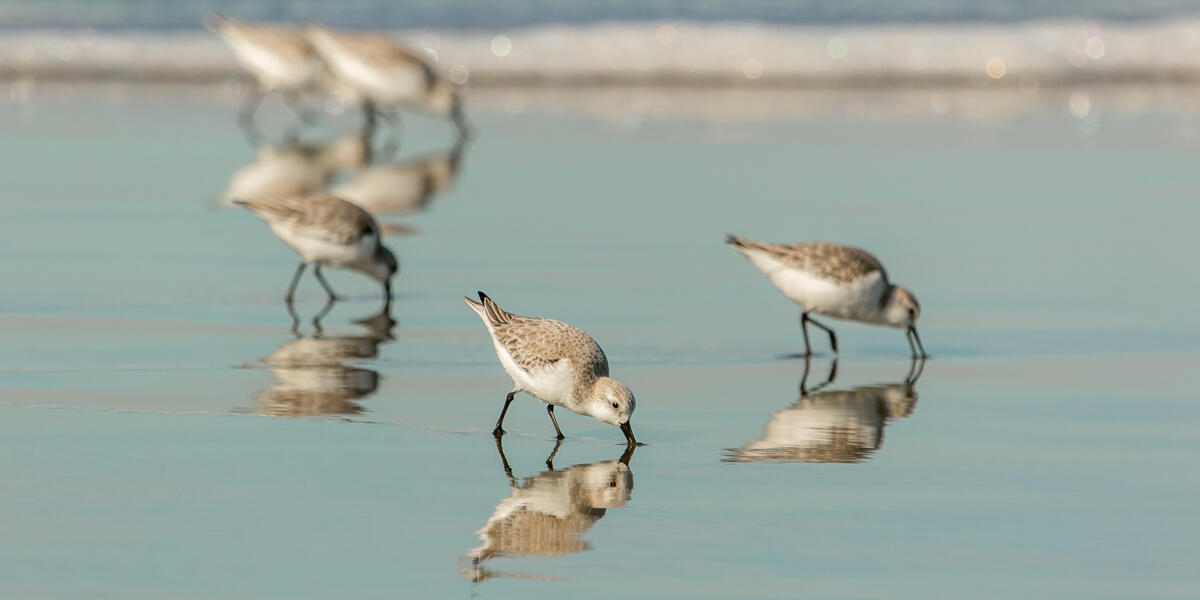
x: 804, y: 377
x: 918, y: 349
x: 628, y: 454
x: 325, y: 284
x: 550, y: 410
x: 295, y: 318
x: 804, y: 391
x: 504, y: 462
x: 914, y: 371
x: 832, y: 337
x: 291, y: 293
x: 321, y: 315
x: 550, y: 459
x: 499, y: 430
x: 807, y: 345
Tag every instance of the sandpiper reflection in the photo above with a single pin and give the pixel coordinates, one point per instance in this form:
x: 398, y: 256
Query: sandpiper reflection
x: 548, y: 513
x: 292, y: 168
x: 403, y: 187
x: 834, y: 426
x: 311, y: 377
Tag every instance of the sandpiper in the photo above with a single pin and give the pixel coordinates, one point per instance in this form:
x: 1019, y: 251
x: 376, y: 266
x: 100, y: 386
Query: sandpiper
x: 382, y: 73
x: 279, y: 58
x: 557, y: 364
x: 835, y: 280
x: 327, y: 230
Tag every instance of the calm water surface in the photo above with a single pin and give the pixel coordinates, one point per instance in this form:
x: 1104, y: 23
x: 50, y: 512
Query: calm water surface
x: 1047, y: 450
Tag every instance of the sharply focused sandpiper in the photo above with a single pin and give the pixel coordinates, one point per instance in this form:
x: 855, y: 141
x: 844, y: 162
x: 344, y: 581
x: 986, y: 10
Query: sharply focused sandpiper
x: 327, y: 230
x: 557, y: 364
x: 383, y: 73
x: 835, y: 280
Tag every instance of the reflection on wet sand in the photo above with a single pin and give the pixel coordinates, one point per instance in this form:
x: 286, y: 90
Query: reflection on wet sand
x: 403, y: 187
x: 311, y: 377
x: 548, y: 513
x: 294, y: 169
x: 836, y: 426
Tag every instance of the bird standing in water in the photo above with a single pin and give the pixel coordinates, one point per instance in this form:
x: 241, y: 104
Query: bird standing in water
x: 557, y: 364
x: 835, y: 280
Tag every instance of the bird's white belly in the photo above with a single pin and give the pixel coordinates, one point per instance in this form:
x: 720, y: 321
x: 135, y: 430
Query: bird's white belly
x: 856, y: 300
x: 551, y: 384
x: 321, y: 251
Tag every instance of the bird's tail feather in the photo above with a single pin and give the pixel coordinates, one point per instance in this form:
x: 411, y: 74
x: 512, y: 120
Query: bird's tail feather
x: 488, y: 310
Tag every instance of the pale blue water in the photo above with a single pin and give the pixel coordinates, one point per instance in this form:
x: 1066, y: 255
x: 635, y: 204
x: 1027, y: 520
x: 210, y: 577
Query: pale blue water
x: 1048, y: 449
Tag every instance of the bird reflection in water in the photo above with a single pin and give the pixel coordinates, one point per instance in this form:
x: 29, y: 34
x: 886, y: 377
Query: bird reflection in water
x: 292, y: 168
x: 403, y: 187
x: 311, y: 377
x: 548, y: 513
x: 835, y: 426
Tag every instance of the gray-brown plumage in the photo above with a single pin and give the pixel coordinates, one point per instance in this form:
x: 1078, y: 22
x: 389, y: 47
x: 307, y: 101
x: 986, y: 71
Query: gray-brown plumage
x: 557, y: 364
x: 536, y: 342
x: 327, y: 230
x: 836, y: 262
x: 318, y: 216
x: 835, y: 280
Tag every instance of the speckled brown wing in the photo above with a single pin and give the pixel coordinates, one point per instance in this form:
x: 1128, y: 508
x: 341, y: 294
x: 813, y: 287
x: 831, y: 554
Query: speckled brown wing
x: 322, y: 217
x: 828, y: 260
x: 534, y: 342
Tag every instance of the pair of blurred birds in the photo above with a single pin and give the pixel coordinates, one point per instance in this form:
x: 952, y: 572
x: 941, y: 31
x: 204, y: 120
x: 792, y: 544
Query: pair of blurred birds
x: 364, y: 68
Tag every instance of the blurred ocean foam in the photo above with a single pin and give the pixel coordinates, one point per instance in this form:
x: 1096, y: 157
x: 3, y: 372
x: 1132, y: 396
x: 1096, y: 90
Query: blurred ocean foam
x: 1027, y: 55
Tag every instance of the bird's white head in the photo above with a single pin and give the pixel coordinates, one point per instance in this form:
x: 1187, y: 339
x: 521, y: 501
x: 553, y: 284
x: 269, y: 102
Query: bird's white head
x: 901, y: 309
x: 611, y: 402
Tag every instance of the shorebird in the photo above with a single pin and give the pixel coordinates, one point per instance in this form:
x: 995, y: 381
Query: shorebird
x: 328, y: 231
x: 833, y: 426
x: 279, y: 58
x: 549, y: 513
x: 557, y: 364
x: 835, y: 280
x: 381, y: 73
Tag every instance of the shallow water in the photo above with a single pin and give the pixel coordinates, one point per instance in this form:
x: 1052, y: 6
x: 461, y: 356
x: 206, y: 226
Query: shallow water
x: 1047, y: 449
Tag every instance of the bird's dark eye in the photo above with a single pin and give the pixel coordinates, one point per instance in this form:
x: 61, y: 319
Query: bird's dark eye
x: 615, y: 405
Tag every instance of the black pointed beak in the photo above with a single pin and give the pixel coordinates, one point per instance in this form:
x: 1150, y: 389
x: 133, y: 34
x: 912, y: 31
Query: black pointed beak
x: 628, y: 431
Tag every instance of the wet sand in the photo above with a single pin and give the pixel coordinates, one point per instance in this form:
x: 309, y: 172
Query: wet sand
x: 1046, y: 449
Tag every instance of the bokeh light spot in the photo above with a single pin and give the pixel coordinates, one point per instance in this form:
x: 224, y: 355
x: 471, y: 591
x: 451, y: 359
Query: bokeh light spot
x: 501, y: 45
x: 837, y: 48
x: 996, y: 67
